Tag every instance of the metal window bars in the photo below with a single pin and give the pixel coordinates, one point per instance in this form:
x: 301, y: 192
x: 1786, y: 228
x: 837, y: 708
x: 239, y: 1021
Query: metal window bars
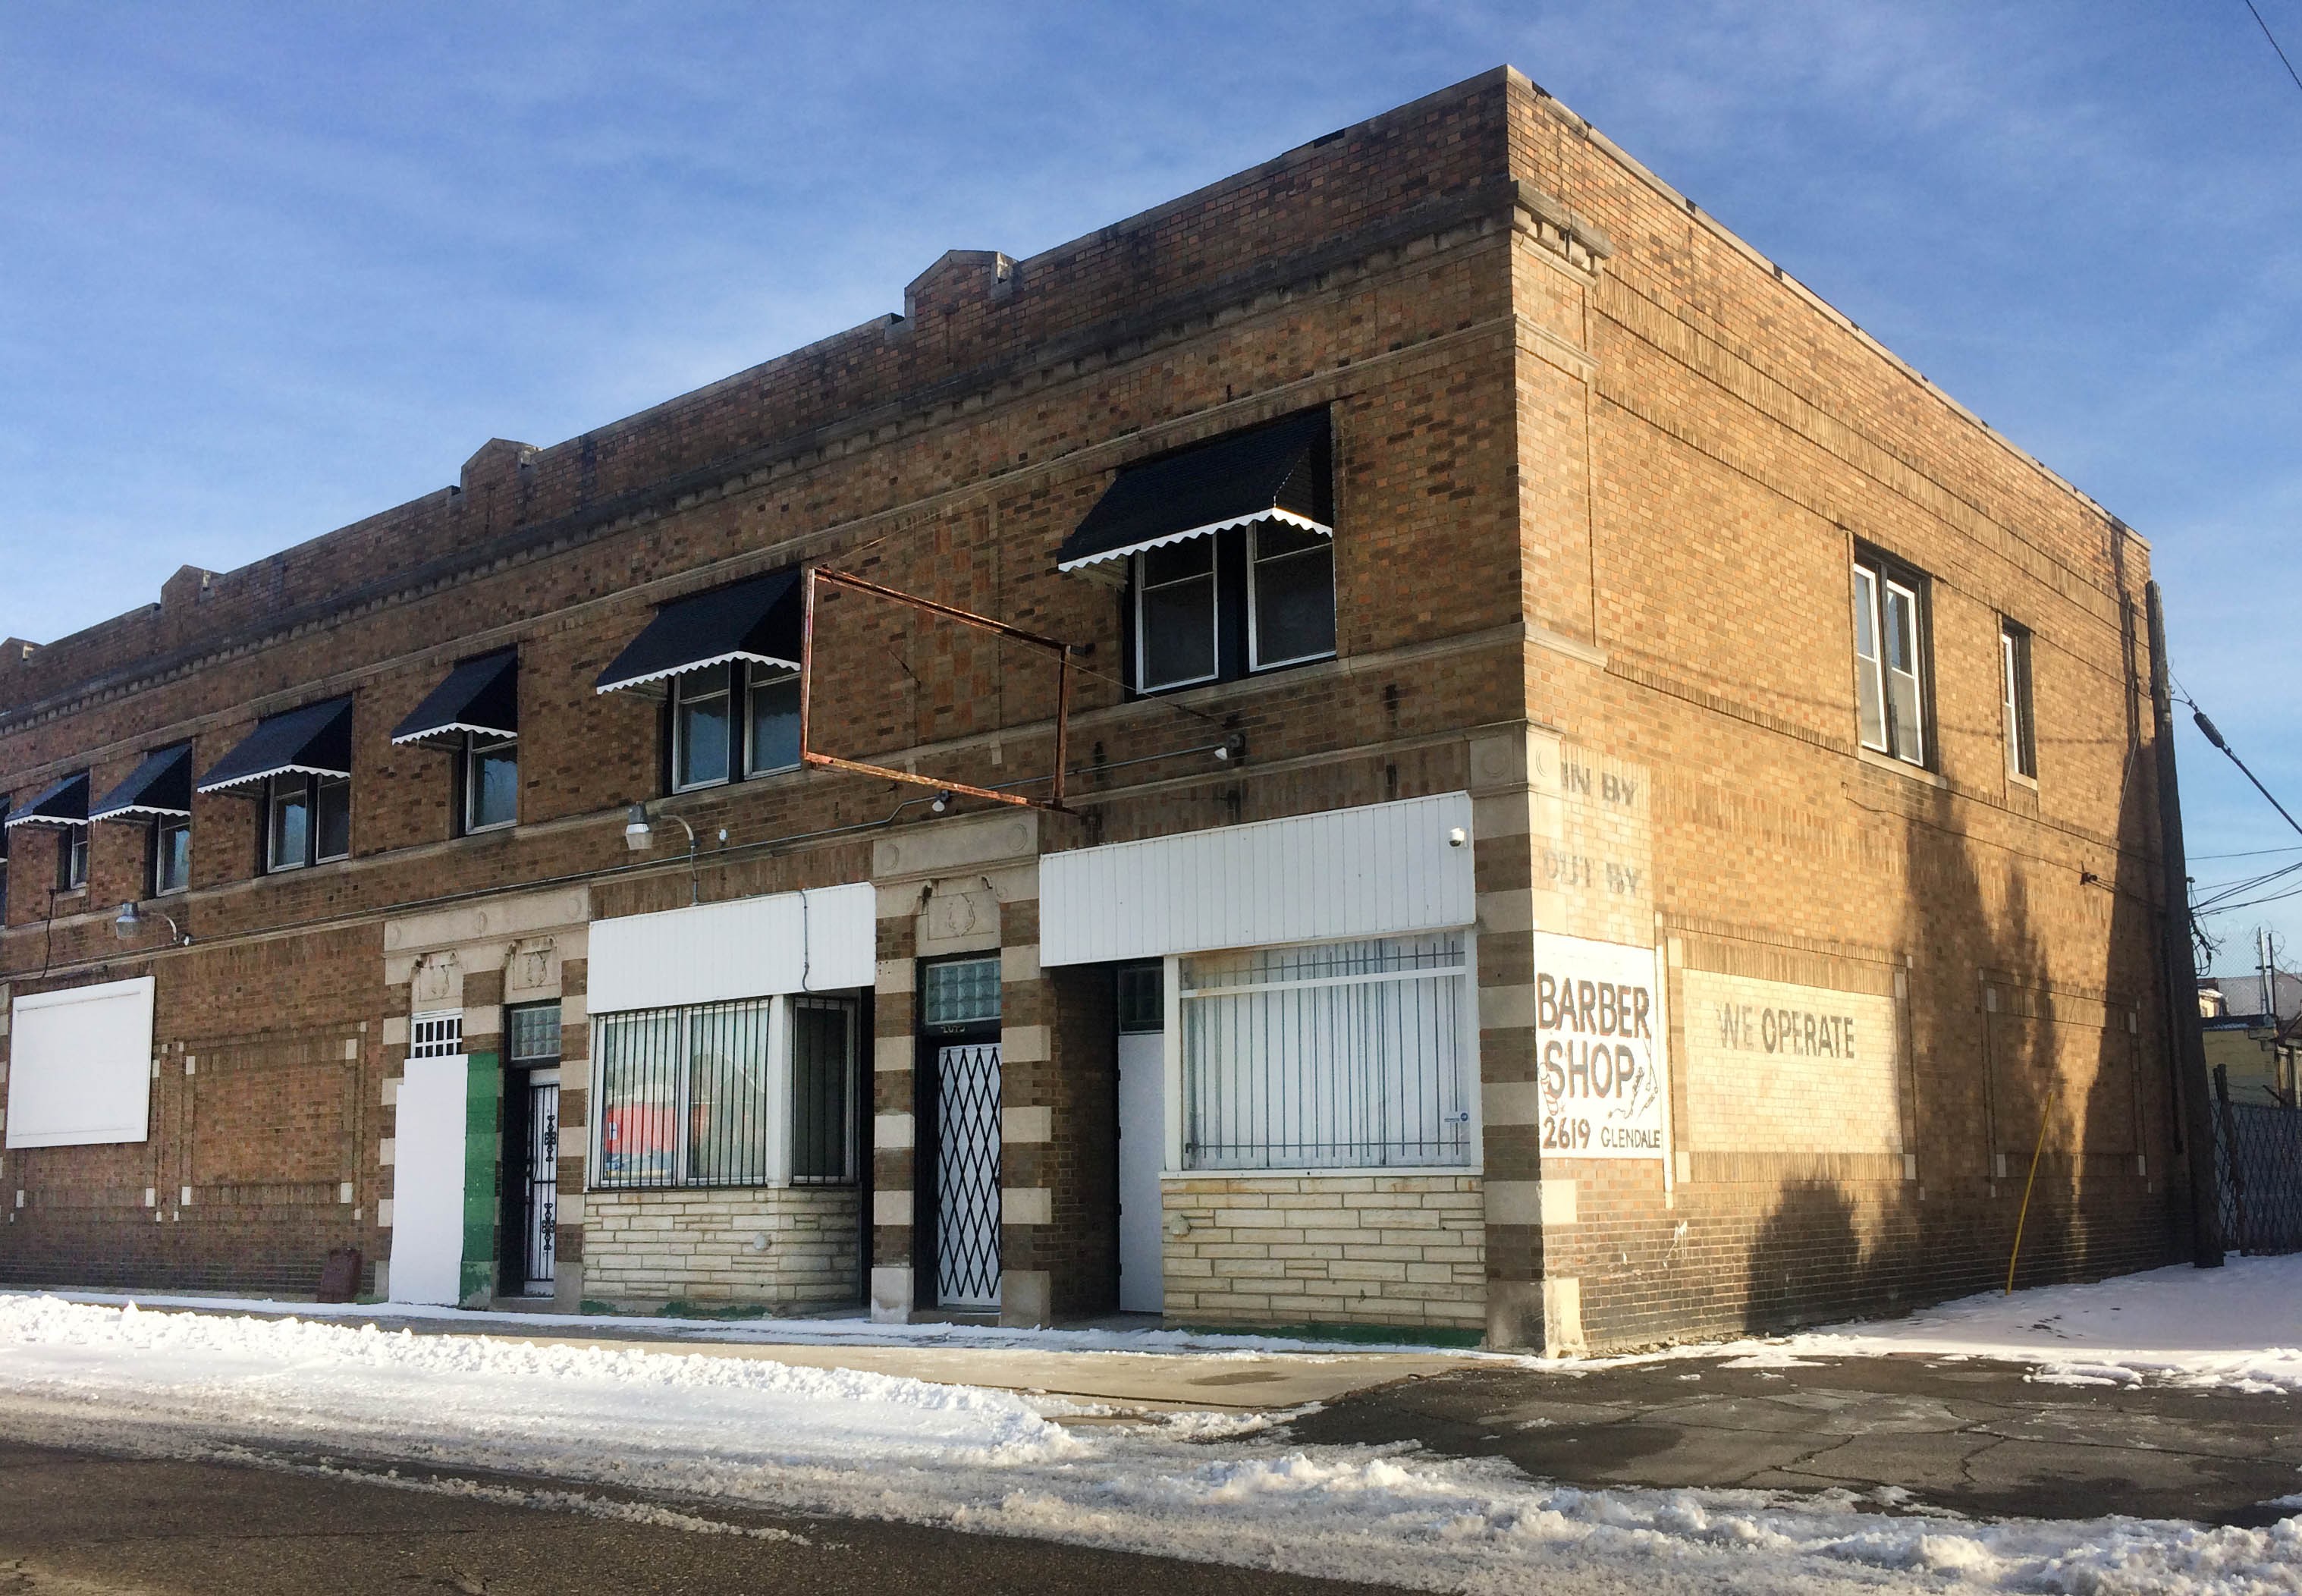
x: 436, y: 1036
x: 1344, y: 1055
x: 824, y: 1128
x: 687, y: 1095
x: 683, y: 1097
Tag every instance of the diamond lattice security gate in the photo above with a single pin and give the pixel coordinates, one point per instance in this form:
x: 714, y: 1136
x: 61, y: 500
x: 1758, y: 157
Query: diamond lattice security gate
x: 967, y: 1176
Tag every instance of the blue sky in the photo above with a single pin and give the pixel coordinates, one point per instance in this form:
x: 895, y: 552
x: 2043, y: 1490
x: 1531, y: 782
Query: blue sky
x: 265, y: 270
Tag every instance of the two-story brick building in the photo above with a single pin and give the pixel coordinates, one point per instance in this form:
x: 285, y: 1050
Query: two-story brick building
x: 1595, y: 805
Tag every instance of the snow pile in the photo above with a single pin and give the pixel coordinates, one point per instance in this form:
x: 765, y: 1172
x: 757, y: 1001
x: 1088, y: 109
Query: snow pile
x: 2236, y: 1328
x: 754, y: 1432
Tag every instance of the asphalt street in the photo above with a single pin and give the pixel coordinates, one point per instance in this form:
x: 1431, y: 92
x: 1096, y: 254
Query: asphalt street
x: 1980, y: 1438
x: 80, y: 1524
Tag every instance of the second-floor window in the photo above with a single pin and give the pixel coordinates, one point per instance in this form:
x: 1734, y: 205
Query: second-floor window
x: 307, y: 820
x: 732, y: 721
x: 1890, y: 658
x: 491, y: 781
x: 171, y: 854
x: 2020, y: 717
x: 71, y: 858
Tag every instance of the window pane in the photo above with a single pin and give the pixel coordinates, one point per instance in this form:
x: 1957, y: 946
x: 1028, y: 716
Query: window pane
x: 774, y: 724
x: 292, y: 823
x: 1294, y: 600
x: 71, y: 858
x: 823, y: 1089
x: 534, y: 1032
x: 639, y: 1082
x: 172, y: 856
x: 701, y: 737
x: 1870, y: 689
x: 965, y: 992
x: 1179, y: 632
x: 334, y: 824
x: 1294, y: 1059
x: 728, y: 1116
x: 1904, y: 721
x: 1179, y: 562
x: 492, y: 785
x: 1142, y: 997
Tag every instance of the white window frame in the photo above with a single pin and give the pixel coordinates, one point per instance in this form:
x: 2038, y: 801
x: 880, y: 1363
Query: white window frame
x: 476, y: 745
x: 2018, y: 699
x: 1214, y: 579
x: 683, y: 693
x: 438, y: 1034
x: 274, y: 791
x: 1878, y: 583
x: 162, y: 826
x: 71, y: 858
x: 1255, y: 660
x: 1178, y: 1165
x: 756, y: 681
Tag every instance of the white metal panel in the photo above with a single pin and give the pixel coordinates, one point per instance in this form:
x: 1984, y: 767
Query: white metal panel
x: 1377, y: 870
x: 823, y: 939
x: 427, y: 1182
x: 82, y: 1069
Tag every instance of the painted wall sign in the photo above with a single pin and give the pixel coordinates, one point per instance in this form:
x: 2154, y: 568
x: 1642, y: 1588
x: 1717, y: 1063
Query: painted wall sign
x: 1599, y: 1049
x: 1773, y: 1067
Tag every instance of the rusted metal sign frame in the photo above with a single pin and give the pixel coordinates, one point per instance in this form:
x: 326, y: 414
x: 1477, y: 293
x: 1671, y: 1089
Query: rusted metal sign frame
x: 807, y: 752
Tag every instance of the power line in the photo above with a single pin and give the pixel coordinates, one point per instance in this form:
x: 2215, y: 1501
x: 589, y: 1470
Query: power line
x: 2274, y: 45
x: 2250, y: 852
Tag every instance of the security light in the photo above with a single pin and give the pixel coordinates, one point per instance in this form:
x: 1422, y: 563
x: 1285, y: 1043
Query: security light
x: 942, y: 802
x: 128, y: 922
x: 638, y: 837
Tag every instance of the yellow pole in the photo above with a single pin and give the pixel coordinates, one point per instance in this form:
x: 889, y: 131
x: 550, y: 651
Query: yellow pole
x: 2020, y: 1219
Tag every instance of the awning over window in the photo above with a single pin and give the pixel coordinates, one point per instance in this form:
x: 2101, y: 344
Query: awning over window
x: 161, y: 785
x: 757, y: 619
x: 316, y: 740
x: 480, y: 695
x: 1274, y: 472
x: 61, y: 803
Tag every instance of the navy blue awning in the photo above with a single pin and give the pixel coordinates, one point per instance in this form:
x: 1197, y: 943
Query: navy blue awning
x: 1276, y: 472
x: 61, y: 803
x: 756, y: 619
x: 316, y: 740
x: 479, y: 695
x: 161, y: 785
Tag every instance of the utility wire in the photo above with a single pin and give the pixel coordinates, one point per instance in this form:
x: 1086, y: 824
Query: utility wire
x: 2274, y: 45
x: 2215, y: 737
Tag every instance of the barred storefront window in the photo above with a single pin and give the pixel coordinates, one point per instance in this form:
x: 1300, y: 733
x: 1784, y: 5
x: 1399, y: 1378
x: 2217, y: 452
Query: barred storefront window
x: 725, y: 1093
x: 1341, y: 1055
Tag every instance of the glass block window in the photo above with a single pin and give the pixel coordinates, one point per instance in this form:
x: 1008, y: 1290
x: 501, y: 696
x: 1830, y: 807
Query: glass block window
x: 534, y: 1032
x: 436, y: 1036
x: 963, y: 992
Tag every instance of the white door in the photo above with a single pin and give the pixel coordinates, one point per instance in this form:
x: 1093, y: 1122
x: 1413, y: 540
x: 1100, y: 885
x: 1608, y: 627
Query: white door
x: 1142, y: 1148
x: 427, y: 1182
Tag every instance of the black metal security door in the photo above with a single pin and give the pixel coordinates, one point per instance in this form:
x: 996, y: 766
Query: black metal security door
x: 542, y: 1188
x: 967, y: 1176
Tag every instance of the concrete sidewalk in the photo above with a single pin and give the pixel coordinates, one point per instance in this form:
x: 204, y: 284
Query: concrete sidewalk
x: 1970, y: 1436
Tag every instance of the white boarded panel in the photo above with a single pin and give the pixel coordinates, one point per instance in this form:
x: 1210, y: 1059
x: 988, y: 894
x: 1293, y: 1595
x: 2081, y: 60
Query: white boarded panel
x: 81, y: 1072
x: 1372, y: 871
x: 427, y: 1182
x: 825, y: 939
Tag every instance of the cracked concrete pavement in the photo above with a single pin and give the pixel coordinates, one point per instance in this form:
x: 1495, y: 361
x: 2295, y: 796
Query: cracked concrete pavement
x: 1966, y: 1436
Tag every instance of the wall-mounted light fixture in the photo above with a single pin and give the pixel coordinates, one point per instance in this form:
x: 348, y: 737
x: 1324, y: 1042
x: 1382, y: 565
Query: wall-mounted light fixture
x: 130, y: 922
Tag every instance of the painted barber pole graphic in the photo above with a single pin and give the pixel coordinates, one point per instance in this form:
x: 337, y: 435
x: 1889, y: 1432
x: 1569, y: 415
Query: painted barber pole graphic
x: 1600, y: 1049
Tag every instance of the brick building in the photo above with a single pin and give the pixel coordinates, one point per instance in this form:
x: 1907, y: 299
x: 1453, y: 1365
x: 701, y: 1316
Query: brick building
x: 1597, y: 806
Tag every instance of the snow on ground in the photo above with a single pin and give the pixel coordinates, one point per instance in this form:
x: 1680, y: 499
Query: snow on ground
x: 2239, y: 1327
x: 789, y: 1333
x: 761, y: 1434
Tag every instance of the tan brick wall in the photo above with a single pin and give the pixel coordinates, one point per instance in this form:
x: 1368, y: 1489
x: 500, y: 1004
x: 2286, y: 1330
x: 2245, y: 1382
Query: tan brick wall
x: 1325, y: 1249
x: 649, y: 1248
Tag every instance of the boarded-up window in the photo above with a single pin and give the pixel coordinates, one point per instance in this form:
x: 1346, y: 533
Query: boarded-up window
x: 80, y: 1066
